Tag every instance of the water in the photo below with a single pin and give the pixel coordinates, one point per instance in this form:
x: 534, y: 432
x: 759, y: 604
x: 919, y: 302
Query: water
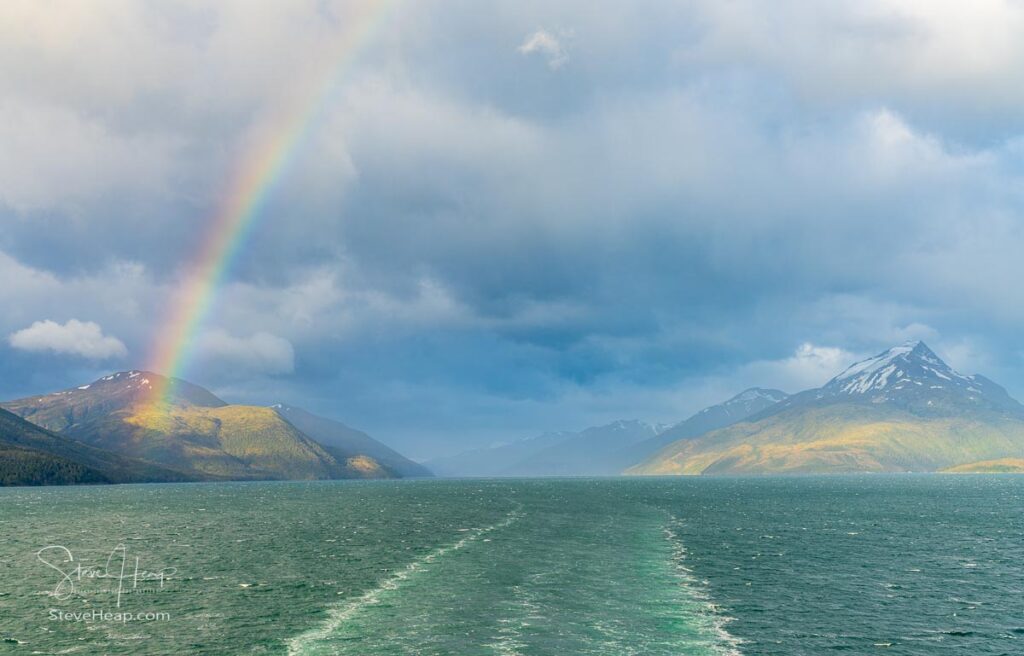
x: 758, y: 566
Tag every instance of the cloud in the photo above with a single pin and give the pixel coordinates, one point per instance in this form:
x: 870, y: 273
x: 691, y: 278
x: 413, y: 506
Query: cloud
x: 43, y: 162
x: 913, y: 50
x: 81, y: 338
x: 259, y: 353
x: 545, y: 43
x: 807, y: 366
x: 810, y: 365
x: 464, y: 242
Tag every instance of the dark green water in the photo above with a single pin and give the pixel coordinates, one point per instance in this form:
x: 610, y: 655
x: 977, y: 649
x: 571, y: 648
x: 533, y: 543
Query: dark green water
x: 889, y: 565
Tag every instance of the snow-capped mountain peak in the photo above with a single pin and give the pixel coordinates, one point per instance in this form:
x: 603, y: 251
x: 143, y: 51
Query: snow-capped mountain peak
x: 756, y: 393
x: 746, y: 402
x: 909, y: 366
x: 909, y: 377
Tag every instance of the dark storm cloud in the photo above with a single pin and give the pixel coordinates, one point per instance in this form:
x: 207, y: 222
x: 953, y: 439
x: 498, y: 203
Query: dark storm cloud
x: 534, y: 216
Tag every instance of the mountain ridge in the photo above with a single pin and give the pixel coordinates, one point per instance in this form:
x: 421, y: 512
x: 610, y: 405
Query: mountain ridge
x: 189, y: 430
x: 594, y: 451
x: 903, y: 409
x: 345, y: 442
x: 912, y: 377
x: 31, y: 455
x: 748, y: 402
x: 492, y: 460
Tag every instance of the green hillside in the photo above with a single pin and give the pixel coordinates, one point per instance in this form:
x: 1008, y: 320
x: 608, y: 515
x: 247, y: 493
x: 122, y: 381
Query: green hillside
x: 25, y: 467
x: 233, y: 441
x: 34, y: 456
x: 840, y: 438
x: 1000, y: 466
x: 352, y: 446
x: 189, y: 430
x: 901, y: 410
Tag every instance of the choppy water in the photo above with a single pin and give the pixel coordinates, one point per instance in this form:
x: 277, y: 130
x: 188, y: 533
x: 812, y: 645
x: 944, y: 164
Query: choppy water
x: 895, y: 565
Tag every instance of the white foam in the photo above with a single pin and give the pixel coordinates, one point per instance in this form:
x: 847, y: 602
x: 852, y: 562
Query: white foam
x: 726, y: 644
x: 341, y: 614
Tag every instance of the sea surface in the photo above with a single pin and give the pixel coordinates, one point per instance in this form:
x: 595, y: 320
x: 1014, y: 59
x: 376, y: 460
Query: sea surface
x: 911, y: 564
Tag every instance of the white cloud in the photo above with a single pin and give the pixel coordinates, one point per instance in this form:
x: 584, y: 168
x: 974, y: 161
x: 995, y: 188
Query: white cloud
x: 810, y: 366
x: 963, y: 53
x: 121, y: 294
x: 54, y: 158
x: 798, y: 151
x: 817, y: 362
x: 82, y: 338
x: 545, y: 43
x: 260, y: 353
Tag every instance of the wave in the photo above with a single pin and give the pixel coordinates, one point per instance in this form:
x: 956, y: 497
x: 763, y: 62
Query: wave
x: 337, y: 616
x: 508, y: 640
x: 711, y: 615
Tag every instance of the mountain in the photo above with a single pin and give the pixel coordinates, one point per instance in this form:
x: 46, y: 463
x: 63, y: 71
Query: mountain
x: 190, y: 430
x: 344, y: 442
x: 1000, y: 466
x: 494, y: 460
x: 912, y: 378
x: 86, y: 404
x: 602, y: 450
x: 30, y: 455
x: 746, y: 403
x: 596, y: 451
x: 901, y: 410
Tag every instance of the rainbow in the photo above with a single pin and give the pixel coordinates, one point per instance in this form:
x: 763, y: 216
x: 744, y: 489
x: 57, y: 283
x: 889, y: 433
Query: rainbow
x: 253, y: 183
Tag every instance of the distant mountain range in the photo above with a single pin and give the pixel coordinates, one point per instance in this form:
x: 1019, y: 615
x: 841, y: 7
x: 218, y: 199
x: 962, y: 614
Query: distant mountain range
x: 902, y: 410
x: 597, y: 451
x: 494, y: 460
x: 738, y: 408
x: 194, y: 436
x: 600, y: 450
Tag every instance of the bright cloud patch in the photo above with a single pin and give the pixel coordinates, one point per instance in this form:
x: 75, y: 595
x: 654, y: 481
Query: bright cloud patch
x: 810, y: 365
x: 817, y: 362
x: 545, y: 43
x: 81, y: 338
x: 260, y: 353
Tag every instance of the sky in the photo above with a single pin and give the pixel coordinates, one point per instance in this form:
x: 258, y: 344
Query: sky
x: 516, y: 216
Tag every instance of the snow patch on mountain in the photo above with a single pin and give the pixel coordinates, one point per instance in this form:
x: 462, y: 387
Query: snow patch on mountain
x: 900, y: 369
x: 755, y: 393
